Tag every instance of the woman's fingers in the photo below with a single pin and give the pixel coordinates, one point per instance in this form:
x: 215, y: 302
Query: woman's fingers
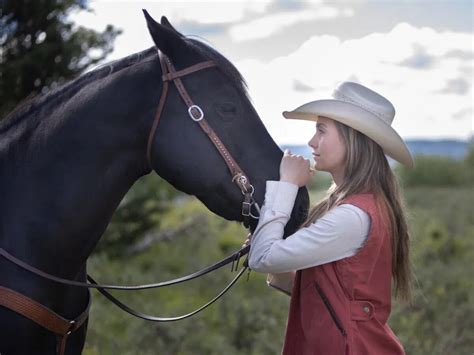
x: 295, y: 169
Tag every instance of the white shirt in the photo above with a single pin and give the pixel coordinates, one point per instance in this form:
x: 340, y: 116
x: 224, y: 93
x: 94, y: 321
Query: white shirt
x: 338, y: 234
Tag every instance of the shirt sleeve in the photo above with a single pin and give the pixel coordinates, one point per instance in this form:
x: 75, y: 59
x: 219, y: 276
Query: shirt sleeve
x: 338, y: 234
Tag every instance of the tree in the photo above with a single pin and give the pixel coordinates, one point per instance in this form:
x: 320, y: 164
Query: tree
x: 40, y: 48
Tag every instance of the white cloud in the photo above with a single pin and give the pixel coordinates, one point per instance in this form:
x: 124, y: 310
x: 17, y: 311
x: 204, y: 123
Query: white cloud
x: 127, y: 14
x: 424, y: 107
x: 427, y: 74
x: 278, y: 22
x: 215, y: 12
x: 204, y: 12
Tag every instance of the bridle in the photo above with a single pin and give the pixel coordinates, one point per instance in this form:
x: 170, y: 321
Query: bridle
x: 63, y: 327
x: 195, y: 112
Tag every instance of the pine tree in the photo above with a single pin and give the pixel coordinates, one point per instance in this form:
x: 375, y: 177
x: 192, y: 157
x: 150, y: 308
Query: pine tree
x: 40, y: 48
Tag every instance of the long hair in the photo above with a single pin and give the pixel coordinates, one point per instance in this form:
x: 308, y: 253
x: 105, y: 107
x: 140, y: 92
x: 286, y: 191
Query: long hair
x: 367, y: 171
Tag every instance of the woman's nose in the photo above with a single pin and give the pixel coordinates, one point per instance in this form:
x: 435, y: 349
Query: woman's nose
x: 312, y: 142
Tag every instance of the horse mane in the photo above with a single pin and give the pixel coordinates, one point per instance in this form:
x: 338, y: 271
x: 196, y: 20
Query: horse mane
x: 33, y: 104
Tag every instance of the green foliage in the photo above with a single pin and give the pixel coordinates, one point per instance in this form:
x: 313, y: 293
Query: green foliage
x: 320, y: 181
x: 469, y: 159
x: 438, y: 171
x: 251, y: 318
x: 138, y: 214
x: 41, y: 49
x: 234, y: 325
x: 441, y: 317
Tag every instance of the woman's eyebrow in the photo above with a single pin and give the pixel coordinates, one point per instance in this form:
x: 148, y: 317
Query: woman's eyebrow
x: 320, y: 125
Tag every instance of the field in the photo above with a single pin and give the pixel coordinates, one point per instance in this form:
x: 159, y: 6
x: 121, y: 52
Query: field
x: 251, y: 318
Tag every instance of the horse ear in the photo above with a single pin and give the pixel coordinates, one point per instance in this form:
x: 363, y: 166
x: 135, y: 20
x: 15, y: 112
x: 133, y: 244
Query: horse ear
x: 166, y: 23
x: 166, y: 40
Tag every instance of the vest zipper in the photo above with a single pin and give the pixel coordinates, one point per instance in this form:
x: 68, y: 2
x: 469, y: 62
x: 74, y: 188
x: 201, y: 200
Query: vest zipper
x: 330, y: 309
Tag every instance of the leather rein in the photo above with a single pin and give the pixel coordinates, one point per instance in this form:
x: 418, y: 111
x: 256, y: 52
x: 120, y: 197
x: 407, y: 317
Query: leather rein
x: 63, y: 327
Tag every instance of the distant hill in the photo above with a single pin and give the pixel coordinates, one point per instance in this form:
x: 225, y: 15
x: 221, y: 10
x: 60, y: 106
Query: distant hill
x: 456, y: 149
x: 447, y: 148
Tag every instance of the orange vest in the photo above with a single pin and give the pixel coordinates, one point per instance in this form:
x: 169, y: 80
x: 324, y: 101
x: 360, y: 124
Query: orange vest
x: 342, y: 307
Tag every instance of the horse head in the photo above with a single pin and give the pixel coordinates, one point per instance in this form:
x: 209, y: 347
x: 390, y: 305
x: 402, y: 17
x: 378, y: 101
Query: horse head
x: 182, y: 152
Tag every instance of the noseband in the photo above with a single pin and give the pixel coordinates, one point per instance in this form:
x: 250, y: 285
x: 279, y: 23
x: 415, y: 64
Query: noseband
x: 169, y: 73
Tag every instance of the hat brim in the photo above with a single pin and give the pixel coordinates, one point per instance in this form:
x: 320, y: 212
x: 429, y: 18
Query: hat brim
x: 361, y: 120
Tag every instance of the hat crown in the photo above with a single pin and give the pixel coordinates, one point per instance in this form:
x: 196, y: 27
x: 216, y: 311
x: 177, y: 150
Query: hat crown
x: 366, y: 99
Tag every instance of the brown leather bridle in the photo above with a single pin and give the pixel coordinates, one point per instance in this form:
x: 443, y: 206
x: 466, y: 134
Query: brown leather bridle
x: 169, y: 73
x: 62, y: 327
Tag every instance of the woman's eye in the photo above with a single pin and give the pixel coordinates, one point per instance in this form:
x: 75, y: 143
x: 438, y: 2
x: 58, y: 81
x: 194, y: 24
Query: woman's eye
x: 226, y: 110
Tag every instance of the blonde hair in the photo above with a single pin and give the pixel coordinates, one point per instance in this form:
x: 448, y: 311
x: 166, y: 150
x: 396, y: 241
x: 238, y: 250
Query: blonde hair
x: 367, y: 171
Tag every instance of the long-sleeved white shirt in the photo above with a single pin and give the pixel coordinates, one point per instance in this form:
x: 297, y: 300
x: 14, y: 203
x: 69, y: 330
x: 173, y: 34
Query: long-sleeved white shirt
x: 338, y: 234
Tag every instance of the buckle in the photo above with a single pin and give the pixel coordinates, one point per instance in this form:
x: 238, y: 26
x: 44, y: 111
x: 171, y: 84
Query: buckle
x: 194, y: 108
x: 246, y: 208
x: 72, y: 325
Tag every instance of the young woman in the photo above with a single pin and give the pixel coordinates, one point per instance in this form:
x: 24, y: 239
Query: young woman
x: 353, y: 243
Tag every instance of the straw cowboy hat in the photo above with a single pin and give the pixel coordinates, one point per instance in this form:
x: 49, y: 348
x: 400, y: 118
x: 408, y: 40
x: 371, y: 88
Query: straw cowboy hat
x: 362, y: 109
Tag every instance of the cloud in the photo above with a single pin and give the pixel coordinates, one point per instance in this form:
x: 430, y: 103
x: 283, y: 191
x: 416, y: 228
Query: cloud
x: 456, y: 86
x: 273, y: 23
x: 419, y: 60
x: 456, y: 53
x: 466, y: 113
x: 191, y: 27
x: 299, y: 86
x: 426, y: 100
x: 205, y: 12
x: 215, y: 12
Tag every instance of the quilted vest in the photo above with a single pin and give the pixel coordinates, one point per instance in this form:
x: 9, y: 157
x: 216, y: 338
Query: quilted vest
x: 342, y: 307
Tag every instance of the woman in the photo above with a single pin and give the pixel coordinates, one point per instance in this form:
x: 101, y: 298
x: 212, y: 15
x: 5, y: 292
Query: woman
x: 353, y: 242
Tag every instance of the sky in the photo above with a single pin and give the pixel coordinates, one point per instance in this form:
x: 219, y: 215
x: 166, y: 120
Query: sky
x: 417, y: 53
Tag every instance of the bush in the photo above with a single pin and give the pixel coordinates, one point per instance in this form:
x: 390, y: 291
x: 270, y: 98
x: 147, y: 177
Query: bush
x: 442, y: 227
x: 251, y: 318
x: 437, y: 171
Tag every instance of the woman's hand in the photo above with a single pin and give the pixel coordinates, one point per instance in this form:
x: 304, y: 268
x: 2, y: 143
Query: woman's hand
x: 295, y: 169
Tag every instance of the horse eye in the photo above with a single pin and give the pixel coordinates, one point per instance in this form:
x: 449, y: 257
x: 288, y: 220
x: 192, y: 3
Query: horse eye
x: 226, y: 110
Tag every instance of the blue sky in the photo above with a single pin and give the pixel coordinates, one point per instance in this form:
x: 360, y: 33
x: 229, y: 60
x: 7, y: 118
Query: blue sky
x: 419, y: 54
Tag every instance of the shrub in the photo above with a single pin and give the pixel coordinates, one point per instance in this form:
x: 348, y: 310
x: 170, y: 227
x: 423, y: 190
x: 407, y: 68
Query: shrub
x: 436, y: 171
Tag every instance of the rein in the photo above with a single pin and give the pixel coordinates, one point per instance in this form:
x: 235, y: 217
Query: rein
x: 234, y: 258
x: 62, y: 327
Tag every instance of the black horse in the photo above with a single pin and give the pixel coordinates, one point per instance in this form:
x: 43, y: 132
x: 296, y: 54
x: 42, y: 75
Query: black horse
x: 68, y: 158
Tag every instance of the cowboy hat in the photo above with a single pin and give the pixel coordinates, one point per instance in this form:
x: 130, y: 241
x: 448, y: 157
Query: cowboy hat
x: 362, y: 109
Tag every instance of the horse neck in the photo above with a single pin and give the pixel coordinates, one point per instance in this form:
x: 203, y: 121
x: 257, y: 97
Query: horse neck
x: 74, y: 169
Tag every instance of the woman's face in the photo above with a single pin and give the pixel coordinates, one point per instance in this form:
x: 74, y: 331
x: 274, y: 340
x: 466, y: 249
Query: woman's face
x: 328, y: 147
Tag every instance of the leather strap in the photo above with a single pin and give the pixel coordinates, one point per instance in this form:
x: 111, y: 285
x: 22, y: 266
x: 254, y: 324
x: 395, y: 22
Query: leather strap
x: 234, y: 168
x: 230, y: 259
x: 166, y: 77
x: 169, y: 73
x: 188, y: 70
x: 161, y: 105
x: 63, y: 327
x: 144, y: 316
x: 43, y: 316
